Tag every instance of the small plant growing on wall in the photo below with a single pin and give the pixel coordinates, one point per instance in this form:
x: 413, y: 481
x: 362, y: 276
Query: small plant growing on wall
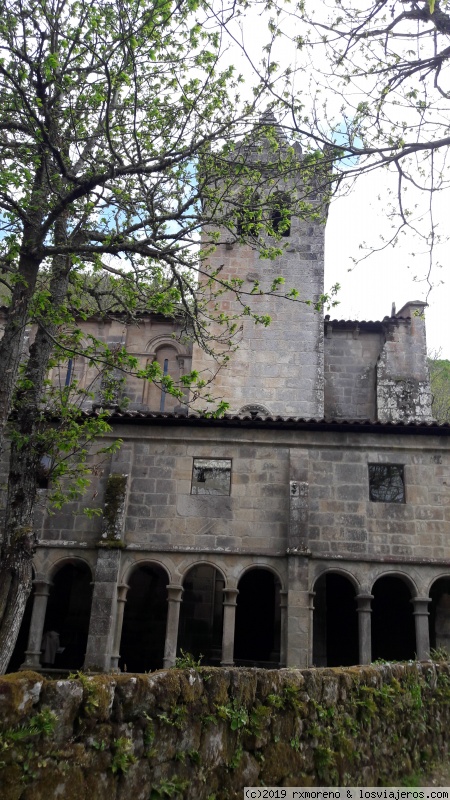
x: 123, y: 758
x: 187, y: 661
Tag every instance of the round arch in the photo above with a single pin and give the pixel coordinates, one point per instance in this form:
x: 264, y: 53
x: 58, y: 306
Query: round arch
x: 68, y: 614
x: 393, y: 628
x: 335, y: 619
x: 169, y: 354
x: 142, y: 562
x: 201, y: 563
x: 145, y: 617
x: 441, y: 577
x: 60, y: 563
x: 257, y: 638
x: 402, y: 576
x: 201, y: 613
x: 155, y: 343
x: 439, y: 613
x: 345, y: 573
x: 267, y: 567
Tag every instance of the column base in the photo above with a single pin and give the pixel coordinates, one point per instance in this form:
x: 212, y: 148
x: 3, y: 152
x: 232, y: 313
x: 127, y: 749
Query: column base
x: 32, y: 660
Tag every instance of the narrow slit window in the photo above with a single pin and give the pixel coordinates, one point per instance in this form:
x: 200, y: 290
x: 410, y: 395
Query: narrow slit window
x: 386, y: 483
x: 211, y: 476
x: 69, y: 372
x: 163, y: 391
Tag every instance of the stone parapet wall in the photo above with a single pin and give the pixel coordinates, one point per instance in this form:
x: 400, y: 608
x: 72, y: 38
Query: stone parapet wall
x: 207, y: 733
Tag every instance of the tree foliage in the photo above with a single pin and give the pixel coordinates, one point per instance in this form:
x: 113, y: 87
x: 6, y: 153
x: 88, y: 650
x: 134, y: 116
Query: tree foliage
x: 124, y: 129
x: 370, y: 80
x: 440, y: 388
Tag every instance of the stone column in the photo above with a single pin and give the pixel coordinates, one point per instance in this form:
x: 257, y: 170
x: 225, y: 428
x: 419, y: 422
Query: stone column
x: 174, y: 592
x: 421, y: 615
x: 364, y: 608
x: 298, y: 612
x: 40, y: 600
x: 283, y: 627
x: 122, y: 590
x: 229, y: 618
x: 311, y: 596
x: 103, y: 611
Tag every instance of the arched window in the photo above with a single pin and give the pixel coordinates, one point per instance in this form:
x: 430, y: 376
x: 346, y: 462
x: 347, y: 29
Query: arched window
x: 157, y: 398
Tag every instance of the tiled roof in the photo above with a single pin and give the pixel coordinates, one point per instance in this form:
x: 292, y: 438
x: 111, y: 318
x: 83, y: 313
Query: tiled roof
x: 363, y: 322
x: 292, y: 423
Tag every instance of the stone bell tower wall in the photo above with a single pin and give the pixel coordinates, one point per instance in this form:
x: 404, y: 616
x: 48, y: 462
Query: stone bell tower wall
x: 279, y: 366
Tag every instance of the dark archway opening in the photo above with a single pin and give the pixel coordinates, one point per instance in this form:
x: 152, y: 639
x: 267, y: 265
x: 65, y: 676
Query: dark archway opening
x: 335, y: 622
x: 68, y: 614
x: 18, y: 656
x: 201, y: 614
x: 257, y: 630
x: 439, y: 618
x: 393, y: 630
x: 144, y: 620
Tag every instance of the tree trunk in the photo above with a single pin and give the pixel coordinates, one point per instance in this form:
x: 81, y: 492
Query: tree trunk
x: 15, y: 580
x: 11, y: 344
x: 19, y: 543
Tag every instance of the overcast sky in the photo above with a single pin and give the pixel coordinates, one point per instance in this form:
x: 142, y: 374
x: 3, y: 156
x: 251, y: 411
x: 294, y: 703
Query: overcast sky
x: 369, y: 289
x: 393, y: 275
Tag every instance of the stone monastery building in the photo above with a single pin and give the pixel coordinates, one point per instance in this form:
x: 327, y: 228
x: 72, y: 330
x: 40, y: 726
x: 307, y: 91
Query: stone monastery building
x: 309, y: 526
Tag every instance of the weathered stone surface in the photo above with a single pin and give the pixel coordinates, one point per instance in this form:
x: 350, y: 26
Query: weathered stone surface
x: 211, y: 731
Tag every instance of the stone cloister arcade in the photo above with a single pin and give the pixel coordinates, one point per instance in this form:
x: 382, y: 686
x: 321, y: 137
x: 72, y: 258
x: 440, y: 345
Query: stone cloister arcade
x: 230, y: 613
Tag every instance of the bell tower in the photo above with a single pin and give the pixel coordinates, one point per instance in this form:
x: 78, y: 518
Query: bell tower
x: 278, y: 369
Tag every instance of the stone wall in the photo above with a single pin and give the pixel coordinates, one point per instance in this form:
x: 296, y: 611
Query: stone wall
x: 161, y: 512
x: 207, y: 733
x: 403, y: 381
x: 350, y: 357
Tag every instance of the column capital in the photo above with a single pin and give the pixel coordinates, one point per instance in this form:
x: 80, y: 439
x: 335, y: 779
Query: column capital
x: 174, y: 592
x: 364, y: 602
x: 42, y: 587
x: 122, y: 591
x: 421, y: 606
x: 230, y: 597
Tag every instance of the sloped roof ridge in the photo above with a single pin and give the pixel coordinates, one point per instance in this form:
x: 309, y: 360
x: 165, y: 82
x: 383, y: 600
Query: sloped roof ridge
x: 365, y: 321
x: 117, y: 415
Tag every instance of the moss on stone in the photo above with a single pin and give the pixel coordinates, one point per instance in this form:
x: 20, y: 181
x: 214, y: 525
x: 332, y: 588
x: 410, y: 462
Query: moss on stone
x: 19, y: 692
x: 331, y: 726
x: 114, y: 500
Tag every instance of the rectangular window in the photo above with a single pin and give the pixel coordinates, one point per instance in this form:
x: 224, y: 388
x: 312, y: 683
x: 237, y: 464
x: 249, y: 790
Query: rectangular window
x: 211, y: 476
x: 386, y: 483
